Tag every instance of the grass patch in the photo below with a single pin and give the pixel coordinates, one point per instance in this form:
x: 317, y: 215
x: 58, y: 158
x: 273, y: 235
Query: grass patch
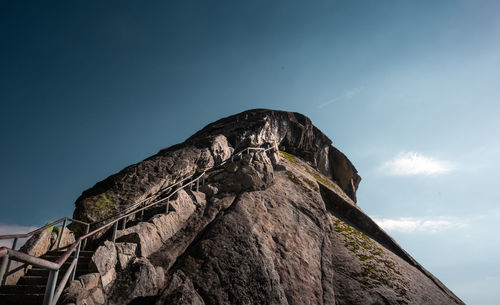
x: 364, y: 257
x: 320, y: 178
x: 311, y: 183
x: 289, y: 157
x: 105, y: 206
x: 316, y: 176
x: 295, y: 179
x: 375, y: 267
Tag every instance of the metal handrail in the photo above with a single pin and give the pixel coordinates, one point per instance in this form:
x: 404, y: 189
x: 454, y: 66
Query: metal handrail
x: 50, y: 224
x: 52, y: 293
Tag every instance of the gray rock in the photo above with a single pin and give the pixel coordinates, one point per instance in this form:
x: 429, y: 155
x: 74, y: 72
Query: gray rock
x: 221, y: 149
x: 285, y: 245
x: 209, y: 190
x: 292, y: 236
x: 104, y: 261
x: 141, y: 279
x: 180, y: 291
x: 126, y: 252
x: 210, y: 146
x: 145, y: 235
x: 199, y: 197
x: 74, y: 294
x: 98, y: 296
x: 89, y: 281
x: 67, y: 238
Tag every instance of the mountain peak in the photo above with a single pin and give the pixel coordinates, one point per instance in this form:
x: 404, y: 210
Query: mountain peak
x: 255, y: 208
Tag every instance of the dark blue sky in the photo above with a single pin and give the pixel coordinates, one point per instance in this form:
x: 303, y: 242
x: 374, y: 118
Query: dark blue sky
x: 409, y: 90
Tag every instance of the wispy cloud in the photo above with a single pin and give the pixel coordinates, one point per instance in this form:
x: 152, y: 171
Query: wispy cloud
x: 412, y: 163
x: 411, y: 224
x: 346, y: 96
x: 6, y: 229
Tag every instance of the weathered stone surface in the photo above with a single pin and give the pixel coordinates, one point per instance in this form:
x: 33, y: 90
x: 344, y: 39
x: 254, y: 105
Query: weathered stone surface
x: 75, y: 294
x: 221, y: 149
x: 38, y: 244
x: 210, y: 146
x: 141, y: 279
x: 180, y: 291
x: 209, y: 189
x: 199, y: 197
x: 281, y: 229
x: 98, y: 296
x: 283, y: 245
x: 104, y: 261
x: 67, y: 238
x: 145, y: 235
x: 126, y: 252
x: 89, y: 281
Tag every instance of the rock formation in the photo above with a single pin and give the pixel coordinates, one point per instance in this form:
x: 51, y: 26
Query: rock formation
x: 268, y: 228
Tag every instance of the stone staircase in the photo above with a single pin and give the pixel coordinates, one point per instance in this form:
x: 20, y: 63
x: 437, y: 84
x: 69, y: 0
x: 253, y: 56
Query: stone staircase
x: 30, y: 288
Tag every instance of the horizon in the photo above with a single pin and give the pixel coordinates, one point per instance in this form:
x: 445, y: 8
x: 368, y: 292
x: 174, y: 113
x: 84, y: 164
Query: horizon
x: 407, y: 91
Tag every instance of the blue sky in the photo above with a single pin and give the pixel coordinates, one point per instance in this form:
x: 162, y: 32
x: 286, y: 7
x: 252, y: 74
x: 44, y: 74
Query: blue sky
x: 409, y: 90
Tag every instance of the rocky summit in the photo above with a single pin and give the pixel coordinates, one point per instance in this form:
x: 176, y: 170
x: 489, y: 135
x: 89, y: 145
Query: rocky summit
x: 278, y: 224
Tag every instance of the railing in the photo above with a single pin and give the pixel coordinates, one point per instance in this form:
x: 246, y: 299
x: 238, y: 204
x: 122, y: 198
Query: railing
x: 52, y: 293
x: 6, y: 262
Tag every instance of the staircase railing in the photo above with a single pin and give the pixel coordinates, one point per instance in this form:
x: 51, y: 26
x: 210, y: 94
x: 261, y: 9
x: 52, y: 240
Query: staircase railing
x: 6, y: 262
x: 52, y: 293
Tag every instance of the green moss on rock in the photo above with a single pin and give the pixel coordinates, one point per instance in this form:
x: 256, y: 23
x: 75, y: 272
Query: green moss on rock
x: 289, y: 157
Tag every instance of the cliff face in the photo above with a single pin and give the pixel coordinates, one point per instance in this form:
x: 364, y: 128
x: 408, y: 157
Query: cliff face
x: 216, y: 142
x: 269, y: 228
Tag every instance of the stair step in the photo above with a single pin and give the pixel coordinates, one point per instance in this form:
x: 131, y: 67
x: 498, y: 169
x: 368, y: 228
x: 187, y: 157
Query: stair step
x: 36, y: 279
x: 54, y: 258
x: 22, y: 299
x: 22, y: 289
x: 62, y: 270
x: 45, y: 272
x: 59, y: 252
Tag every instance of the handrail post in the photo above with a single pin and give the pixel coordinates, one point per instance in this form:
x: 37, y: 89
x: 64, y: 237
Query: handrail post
x: 77, y: 254
x: 115, y: 228
x: 60, y: 234
x: 124, y: 223
x: 197, y: 185
x: 7, y: 269
x: 51, y: 286
x: 167, y: 206
x: 3, y: 268
x: 86, y: 232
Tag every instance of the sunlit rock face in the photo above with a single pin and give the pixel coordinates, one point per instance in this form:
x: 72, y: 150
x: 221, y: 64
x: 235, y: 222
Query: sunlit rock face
x: 292, y: 132
x: 268, y: 228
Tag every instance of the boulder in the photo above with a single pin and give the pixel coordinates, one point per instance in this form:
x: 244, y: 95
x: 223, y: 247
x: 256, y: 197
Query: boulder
x: 67, y: 238
x: 145, y: 235
x: 209, y: 189
x: 141, y: 279
x: 104, y: 261
x: 126, y: 252
x: 182, y: 288
x: 89, y: 281
x: 213, y: 144
x: 290, y: 236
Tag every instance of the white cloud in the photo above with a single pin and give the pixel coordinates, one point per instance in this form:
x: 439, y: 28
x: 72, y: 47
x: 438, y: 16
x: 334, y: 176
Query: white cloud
x: 412, y: 163
x: 411, y: 224
x: 346, y: 96
x: 6, y: 229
